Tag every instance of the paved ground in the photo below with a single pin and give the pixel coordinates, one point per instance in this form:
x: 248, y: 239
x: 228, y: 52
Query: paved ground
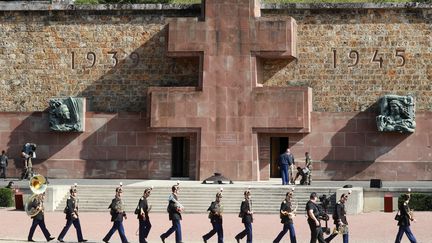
x: 369, y: 227
x: 375, y: 227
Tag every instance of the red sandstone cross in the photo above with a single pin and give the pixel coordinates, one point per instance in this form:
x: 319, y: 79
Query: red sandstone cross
x: 229, y: 108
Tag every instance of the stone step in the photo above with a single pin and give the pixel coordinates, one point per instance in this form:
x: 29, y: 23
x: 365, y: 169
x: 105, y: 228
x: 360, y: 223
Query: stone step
x: 194, y: 199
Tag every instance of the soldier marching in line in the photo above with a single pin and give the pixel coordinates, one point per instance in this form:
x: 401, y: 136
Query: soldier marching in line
x: 174, y: 210
x: 287, y: 213
x: 117, y: 214
x: 404, y: 216
x: 142, y: 211
x: 340, y: 220
x: 71, y: 211
x: 246, y: 214
x: 215, y: 216
x: 37, y: 214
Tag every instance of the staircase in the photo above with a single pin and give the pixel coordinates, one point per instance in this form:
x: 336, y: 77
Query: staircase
x: 196, y: 199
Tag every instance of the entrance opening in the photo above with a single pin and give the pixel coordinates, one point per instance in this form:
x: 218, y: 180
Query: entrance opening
x: 278, y: 146
x: 180, y: 157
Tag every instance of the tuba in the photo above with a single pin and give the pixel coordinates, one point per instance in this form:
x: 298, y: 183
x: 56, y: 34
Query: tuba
x: 38, y: 185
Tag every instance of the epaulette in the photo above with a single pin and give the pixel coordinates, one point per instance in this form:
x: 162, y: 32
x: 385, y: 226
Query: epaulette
x: 142, y: 198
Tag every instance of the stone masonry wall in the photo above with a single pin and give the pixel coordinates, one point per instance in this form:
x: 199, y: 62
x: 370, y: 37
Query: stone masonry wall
x: 347, y: 146
x: 36, y: 49
x: 109, y: 57
x: 115, y: 145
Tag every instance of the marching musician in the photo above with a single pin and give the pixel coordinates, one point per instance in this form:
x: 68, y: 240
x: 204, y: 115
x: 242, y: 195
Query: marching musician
x: 287, y: 213
x: 340, y: 220
x: 71, y: 211
x: 143, y: 210
x: 246, y: 214
x: 405, y: 216
x: 117, y: 214
x: 37, y: 206
x: 215, y: 216
x: 174, y: 211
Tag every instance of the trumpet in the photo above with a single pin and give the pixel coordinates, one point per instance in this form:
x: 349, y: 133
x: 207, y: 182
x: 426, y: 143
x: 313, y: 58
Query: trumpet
x: 38, y: 185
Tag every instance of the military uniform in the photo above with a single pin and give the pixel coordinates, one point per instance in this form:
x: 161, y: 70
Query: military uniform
x: 38, y: 219
x: 144, y: 221
x: 174, y: 214
x: 71, y: 211
x: 308, y: 161
x: 117, y: 214
x: 286, y: 206
x: 404, y: 221
x: 247, y: 220
x: 215, y: 216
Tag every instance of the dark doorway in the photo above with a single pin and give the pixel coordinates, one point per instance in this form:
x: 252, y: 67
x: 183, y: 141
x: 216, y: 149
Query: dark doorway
x: 278, y: 145
x: 180, y: 157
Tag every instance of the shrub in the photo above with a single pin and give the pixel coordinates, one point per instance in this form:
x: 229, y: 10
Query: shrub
x: 420, y: 202
x: 6, y: 197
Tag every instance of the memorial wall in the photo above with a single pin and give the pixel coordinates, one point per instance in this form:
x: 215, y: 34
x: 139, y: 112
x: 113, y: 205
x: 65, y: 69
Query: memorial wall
x: 350, y: 55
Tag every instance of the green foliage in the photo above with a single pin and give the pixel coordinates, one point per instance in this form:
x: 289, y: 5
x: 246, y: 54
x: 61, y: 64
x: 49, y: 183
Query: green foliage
x: 6, y: 197
x: 419, y: 202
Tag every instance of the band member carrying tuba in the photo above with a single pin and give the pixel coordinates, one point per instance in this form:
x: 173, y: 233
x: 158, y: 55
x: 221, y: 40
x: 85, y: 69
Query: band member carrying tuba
x: 287, y: 213
x: 174, y: 210
x: 71, y: 211
x: 215, y: 216
x: 246, y: 214
x: 142, y: 211
x: 404, y: 217
x: 36, y: 212
x: 117, y: 214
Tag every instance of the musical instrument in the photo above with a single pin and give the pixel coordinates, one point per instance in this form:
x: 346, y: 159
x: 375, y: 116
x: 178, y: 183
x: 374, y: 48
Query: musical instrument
x: 292, y: 214
x: 343, y: 229
x: 411, y: 214
x: 38, y: 185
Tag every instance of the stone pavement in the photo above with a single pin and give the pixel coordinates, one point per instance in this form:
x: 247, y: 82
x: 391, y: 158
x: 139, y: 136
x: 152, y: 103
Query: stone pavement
x: 375, y: 227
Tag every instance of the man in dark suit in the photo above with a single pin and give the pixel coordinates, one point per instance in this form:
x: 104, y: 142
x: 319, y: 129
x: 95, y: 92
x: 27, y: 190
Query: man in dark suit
x: 38, y: 218
x: 246, y: 214
x: 117, y: 214
x: 174, y: 211
x: 71, y: 212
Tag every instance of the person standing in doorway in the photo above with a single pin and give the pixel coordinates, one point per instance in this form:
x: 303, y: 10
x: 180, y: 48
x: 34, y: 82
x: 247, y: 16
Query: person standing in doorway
x: 286, y: 161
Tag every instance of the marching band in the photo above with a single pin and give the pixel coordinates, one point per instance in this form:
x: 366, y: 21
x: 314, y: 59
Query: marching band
x: 35, y: 209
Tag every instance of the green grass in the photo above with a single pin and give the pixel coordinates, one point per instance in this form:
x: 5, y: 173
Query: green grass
x: 264, y: 1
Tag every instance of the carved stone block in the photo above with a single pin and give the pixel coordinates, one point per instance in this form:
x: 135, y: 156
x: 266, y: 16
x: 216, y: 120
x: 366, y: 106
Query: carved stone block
x: 67, y: 114
x: 397, y: 114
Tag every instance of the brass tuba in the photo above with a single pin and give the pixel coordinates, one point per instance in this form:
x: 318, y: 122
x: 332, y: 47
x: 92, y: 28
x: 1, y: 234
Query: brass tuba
x: 38, y: 185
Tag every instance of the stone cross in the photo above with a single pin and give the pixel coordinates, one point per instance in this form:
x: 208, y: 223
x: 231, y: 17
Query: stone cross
x: 229, y: 107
